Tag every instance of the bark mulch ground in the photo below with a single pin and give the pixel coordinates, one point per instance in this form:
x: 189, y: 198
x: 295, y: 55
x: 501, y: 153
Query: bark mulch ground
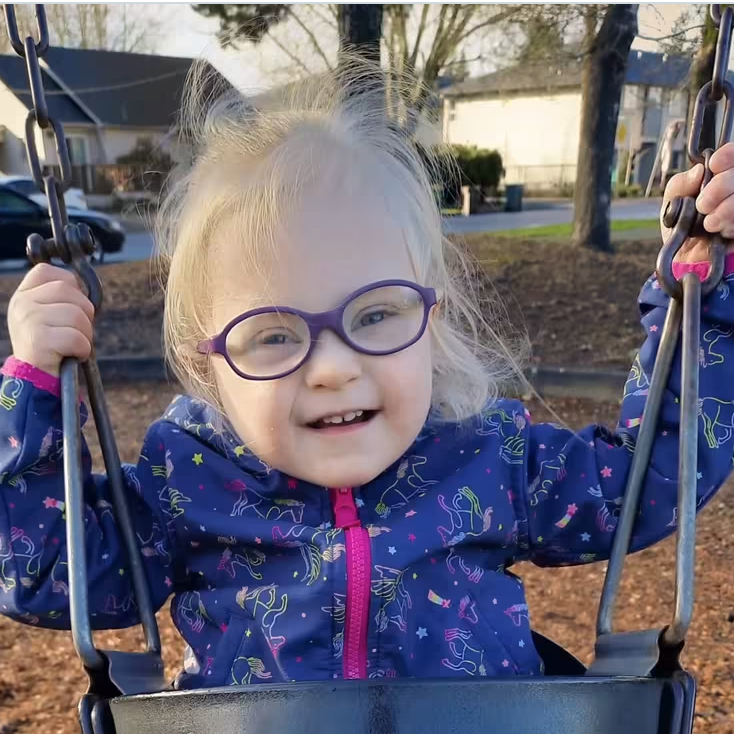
x: 40, y: 678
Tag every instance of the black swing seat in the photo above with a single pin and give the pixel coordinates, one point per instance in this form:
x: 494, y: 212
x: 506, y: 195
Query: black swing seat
x: 565, y: 701
x: 506, y: 706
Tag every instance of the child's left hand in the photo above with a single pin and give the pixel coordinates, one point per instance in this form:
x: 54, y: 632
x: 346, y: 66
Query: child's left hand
x: 716, y: 201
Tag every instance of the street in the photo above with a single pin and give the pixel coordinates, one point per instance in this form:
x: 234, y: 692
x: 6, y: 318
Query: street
x: 139, y: 243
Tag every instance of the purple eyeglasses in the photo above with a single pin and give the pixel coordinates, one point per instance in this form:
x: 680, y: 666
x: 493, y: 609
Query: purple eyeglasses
x: 274, y: 341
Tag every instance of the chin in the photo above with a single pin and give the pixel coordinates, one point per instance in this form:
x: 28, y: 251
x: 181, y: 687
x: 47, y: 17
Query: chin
x: 351, y: 476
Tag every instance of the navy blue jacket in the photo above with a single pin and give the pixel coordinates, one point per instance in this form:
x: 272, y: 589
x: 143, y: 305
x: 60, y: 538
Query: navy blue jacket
x: 275, y: 579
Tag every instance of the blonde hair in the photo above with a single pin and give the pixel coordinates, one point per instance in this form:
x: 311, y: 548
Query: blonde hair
x: 250, y: 158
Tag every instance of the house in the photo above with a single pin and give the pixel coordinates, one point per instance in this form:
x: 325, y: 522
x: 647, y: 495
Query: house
x: 106, y: 101
x: 532, y: 116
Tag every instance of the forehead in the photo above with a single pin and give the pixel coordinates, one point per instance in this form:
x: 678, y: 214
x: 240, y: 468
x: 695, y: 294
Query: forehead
x: 328, y: 246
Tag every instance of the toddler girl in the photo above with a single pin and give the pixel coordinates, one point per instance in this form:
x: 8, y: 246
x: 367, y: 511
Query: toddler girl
x: 339, y: 493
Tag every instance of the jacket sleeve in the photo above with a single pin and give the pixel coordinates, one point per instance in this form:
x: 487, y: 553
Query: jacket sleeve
x: 576, y: 481
x: 33, y: 551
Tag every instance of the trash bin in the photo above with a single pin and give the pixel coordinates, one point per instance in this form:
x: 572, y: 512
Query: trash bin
x: 513, y: 198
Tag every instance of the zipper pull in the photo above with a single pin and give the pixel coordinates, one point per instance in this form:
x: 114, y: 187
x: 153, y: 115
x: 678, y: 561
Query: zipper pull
x: 345, y: 508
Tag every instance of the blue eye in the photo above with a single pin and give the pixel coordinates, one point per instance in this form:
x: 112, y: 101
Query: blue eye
x: 275, y: 340
x: 373, y: 318
x: 271, y: 338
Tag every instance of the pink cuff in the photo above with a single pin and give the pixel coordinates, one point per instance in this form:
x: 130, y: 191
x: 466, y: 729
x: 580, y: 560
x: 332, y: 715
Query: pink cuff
x: 702, y: 269
x: 38, y: 378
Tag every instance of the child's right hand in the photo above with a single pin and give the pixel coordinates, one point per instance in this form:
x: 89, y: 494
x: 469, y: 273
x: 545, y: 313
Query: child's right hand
x: 50, y: 318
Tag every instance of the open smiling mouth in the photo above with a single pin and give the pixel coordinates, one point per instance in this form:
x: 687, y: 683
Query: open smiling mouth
x: 345, y: 420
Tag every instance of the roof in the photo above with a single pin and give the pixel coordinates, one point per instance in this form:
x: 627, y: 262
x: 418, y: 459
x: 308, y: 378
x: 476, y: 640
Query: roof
x: 643, y: 67
x: 14, y: 75
x: 119, y: 88
x: 657, y: 70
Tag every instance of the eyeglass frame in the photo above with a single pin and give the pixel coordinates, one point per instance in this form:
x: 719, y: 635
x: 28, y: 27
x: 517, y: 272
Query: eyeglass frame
x: 316, y: 323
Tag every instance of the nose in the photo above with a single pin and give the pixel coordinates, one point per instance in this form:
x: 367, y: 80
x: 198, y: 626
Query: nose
x: 332, y: 363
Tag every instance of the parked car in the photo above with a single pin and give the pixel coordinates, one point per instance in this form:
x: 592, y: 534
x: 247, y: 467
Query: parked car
x: 74, y: 198
x: 21, y: 217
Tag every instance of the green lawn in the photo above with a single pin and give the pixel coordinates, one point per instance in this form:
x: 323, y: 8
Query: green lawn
x: 564, y: 230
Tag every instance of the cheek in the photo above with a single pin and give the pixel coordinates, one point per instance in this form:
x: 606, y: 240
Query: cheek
x: 408, y: 380
x: 255, y: 409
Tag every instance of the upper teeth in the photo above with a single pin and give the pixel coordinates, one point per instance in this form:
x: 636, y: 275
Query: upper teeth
x: 342, y: 418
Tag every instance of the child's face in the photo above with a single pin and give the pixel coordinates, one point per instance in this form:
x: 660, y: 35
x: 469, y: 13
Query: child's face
x: 329, y: 250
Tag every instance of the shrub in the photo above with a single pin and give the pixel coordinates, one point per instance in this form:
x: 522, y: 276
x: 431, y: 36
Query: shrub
x: 479, y: 167
x: 146, y: 153
x: 624, y: 192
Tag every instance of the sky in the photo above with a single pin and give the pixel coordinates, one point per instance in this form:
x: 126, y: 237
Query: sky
x: 193, y: 35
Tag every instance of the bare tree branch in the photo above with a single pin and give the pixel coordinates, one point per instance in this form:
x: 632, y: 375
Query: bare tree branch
x: 334, y: 10
x: 95, y: 26
x: 419, y: 35
x: 323, y: 17
x: 300, y: 64
x: 421, y: 42
x: 678, y: 34
x: 494, y: 20
x: 312, y: 38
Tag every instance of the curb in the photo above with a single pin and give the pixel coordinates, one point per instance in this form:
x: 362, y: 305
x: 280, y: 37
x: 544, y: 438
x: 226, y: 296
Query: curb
x: 116, y: 370
x: 594, y: 384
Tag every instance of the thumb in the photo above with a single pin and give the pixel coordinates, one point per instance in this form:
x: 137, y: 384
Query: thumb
x: 683, y: 184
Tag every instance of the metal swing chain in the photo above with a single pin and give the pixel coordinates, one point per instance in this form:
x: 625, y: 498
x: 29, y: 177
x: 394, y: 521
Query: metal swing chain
x: 72, y: 244
x: 639, y: 654
x: 680, y: 214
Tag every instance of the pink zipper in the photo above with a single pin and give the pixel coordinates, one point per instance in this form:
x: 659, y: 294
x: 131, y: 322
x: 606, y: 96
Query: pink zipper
x: 359, y: 563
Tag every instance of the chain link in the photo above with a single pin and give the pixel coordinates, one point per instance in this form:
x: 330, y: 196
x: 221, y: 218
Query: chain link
x: 71, y: 243
x: 681, y: 215
x: 718, y: 88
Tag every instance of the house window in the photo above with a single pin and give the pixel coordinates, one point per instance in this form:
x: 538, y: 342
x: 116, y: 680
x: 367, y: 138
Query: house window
x: 78, y: 151
x: 631, y: 98
x: 452, y: 109
x: 654, y: 96
x: 678, y: 104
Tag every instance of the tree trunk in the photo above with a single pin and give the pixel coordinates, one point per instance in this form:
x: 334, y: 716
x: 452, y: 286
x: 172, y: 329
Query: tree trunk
x: 602, y: 80
x: 360, y: 28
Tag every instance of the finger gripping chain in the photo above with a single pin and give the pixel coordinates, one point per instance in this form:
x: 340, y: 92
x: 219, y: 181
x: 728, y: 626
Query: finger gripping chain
x: 683, y: 214
x: 682, y: 217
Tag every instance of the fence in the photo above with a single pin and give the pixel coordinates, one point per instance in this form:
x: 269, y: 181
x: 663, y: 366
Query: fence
x: 549, y: 178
